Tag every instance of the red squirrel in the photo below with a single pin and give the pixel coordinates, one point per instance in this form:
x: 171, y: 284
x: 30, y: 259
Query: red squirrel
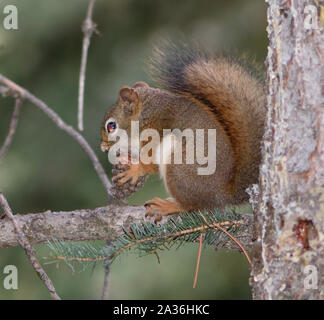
x: 196, y: 91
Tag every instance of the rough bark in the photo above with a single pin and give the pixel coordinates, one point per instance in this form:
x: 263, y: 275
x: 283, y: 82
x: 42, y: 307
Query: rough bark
x: 289, y: 220
x: 103, y: 223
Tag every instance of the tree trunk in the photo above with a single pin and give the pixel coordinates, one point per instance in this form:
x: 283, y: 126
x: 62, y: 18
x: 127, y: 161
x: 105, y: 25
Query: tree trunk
x: 288, y: 260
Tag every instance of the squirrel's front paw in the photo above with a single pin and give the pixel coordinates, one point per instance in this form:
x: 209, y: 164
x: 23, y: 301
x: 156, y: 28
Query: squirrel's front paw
x: 132, y: 174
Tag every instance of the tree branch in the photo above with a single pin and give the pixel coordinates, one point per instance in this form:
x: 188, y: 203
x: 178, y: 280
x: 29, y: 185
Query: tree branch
x: 16, y: 91
x: 88, y: 28
x: 23, y: 241
x: 12, y: 128
x: 106, y: 285
x: 103, y: 223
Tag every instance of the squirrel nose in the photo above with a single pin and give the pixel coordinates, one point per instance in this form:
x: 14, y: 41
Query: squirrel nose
x: 103, y: 147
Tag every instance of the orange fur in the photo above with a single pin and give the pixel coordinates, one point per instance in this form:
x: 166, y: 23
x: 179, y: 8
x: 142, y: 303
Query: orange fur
x: 198, y: 92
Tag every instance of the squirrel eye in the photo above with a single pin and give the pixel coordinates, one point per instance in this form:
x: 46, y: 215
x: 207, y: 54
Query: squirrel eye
x: 111, y: 126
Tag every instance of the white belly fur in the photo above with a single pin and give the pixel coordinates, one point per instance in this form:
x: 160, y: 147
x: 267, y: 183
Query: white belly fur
x: 163, y: 156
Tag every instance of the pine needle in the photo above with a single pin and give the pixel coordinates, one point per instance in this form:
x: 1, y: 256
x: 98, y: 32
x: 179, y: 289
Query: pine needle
x: 149, y: 238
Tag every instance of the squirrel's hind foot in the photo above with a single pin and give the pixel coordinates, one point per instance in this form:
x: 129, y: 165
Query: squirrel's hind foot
x: 161, y: 207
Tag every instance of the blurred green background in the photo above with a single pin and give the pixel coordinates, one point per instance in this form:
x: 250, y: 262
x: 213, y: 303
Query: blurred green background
x: 45, y: 169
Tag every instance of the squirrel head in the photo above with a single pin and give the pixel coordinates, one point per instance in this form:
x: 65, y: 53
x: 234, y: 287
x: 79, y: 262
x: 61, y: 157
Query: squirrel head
x: 120, y: 115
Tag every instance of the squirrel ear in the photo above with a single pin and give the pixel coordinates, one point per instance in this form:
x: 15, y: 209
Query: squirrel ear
x: 140, y: 84
x: 128, y: 100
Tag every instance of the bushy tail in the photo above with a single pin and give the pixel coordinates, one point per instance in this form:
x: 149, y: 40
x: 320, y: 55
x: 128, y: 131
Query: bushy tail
x: 229, y: 88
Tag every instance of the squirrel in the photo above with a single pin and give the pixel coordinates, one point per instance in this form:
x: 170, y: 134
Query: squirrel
x: 195, y: 90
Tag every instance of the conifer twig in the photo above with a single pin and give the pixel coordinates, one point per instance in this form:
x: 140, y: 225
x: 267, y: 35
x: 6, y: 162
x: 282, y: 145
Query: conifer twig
x: 198, y: 260
x: 148, y: 237
x: 103, y: 223
x: 88, y: 28
x: 16, y: 91
x: 12, y: 127
x: 23, y: 241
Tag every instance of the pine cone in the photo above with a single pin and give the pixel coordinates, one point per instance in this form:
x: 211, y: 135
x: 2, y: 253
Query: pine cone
x: 127, y: 189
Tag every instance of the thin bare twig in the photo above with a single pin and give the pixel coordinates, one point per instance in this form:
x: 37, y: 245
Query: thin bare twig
x: 12, y: 128
x: 88, y: 28
x: 15, y: 90
x: 198, y: 260
x: 23, y: 241
x: 237, y: 242
x: 233, y: 238
x: 106, y: 286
